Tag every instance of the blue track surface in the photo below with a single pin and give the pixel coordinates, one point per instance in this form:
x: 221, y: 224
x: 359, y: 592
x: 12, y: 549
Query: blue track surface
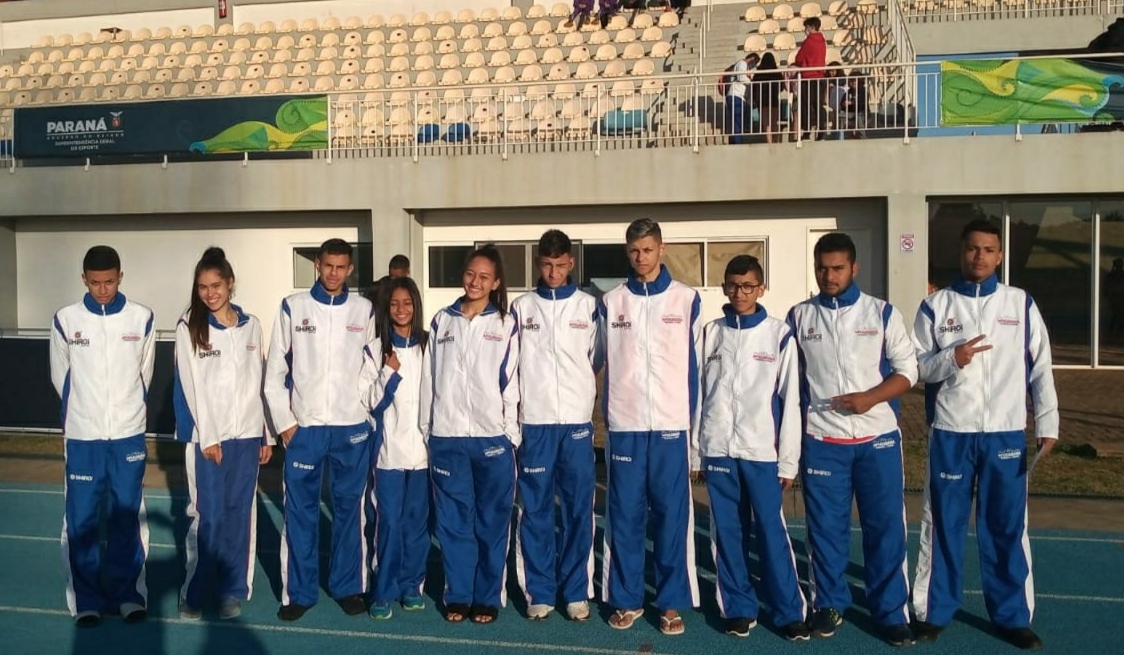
x: 1079, y: 578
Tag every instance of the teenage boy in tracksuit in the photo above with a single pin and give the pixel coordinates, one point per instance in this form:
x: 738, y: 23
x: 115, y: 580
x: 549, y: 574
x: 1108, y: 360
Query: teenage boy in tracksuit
x: 981, y: 347
x: 652, y: 332
x: 749, y: 434
x: 312, y: 377
x: 855, y: 357
x: 102, y: 353
x: 558, y: 335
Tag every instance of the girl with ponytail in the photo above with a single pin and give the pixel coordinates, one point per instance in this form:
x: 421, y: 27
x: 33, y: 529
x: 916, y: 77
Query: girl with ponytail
x: 470, y: 413
x: 221, y: 418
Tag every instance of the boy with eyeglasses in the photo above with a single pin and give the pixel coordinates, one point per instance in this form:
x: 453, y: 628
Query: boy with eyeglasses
x: 749, y: 433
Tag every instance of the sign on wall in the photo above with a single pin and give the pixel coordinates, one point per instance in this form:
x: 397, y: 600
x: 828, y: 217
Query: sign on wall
x: 1011, y: 91
x: 203, y: 127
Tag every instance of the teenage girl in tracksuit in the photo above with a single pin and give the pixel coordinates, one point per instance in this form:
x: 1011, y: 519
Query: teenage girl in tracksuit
x: 219, y: 413
x: 390, y: 383
x: 470, y: 412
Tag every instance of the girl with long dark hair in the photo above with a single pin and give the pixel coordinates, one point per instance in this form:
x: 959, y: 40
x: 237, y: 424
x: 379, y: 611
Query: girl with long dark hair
x: 391, y: 384
x: 470, y: 412
x: 220, y: 414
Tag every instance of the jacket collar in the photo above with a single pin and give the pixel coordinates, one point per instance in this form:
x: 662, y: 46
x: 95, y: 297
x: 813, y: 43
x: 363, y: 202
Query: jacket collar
x: 455, y: 308
x: 744, y: 321
x: 966, y: 288
x: 560, y: 293
x: 399, y: 341
x: 849, y: 297
x: 114, y: 306
x: 658, y: 285
x: 242, y: 318
x: 321, y: 296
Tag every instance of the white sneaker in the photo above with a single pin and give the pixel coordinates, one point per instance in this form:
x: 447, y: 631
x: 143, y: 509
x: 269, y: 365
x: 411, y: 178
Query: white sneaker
x: 538, y: 612
x: 578, y: 611
x: 133, y: 612
x: 189, y: 613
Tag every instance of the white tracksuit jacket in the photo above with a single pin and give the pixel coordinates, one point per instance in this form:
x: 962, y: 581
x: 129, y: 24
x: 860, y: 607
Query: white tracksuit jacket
x: 473, y: 384
x: 558, y: 355
x: 312, y: 373
x: 989, y: 394
x: 219, y: 389
x: 101, y: 366
x: 653, y: 344
x: 751, y: 391
x: 394, y: 400
x: 848, y: 344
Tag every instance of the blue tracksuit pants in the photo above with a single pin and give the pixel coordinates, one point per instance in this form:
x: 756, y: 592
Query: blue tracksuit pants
x: 555, y: 460
x: 401, y: 500
x: 110, y: 472
x: 648, y: 471
x: 871, y: 473
x: 220, y: 543
x: 473, y: 491
x: 343, y: 451
x: 745, y: 493
x: 995, y: 464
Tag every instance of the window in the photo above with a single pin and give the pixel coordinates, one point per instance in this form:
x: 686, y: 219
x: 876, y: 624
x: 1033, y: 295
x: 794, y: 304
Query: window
x: 517, y: 262
x: 304, y: 266
x: 685, y: 262
x: 1112, y: 283
x: 604, y: 265
x: 718, y: 253
x: 446, y: 264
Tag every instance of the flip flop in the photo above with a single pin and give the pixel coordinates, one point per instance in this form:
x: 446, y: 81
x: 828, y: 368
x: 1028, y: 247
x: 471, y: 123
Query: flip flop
x: 484, y: 614
x: 623, y: 619
x: 457, y: 612
x: 672, y: 625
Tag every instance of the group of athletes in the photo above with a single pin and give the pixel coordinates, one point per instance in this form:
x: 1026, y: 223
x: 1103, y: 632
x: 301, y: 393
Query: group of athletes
x: 495, y: 401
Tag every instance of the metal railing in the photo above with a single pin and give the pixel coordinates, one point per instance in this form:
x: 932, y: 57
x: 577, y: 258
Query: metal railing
x: 926, y: 11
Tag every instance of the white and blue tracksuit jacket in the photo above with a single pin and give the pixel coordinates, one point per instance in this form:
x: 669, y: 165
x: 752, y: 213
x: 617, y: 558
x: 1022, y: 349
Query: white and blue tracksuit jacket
x: 977, y: 443
x: 102, y: 358
x: 394, y: 400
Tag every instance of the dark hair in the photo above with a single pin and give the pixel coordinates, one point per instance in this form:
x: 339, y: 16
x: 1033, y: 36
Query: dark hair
x: 491, y: 253
x: 835, y: 242
x: 981, y: 225
x: 753, y: 55
x: 213, y: 259
x: 399, y: 261
x: 768, y: 62
x: 384, y: 325
x: 813, y: 23
x: 101, y: 258
x: 554, y: 243
x: 334, y: 247
x: 643, y: 227
x: 742, y: 264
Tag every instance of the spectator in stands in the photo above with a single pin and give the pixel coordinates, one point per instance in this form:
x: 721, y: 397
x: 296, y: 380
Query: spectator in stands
x: 766, y: 94
x: 836, y: 92
x: 609, y: 8
x: 812, y: 54
x: 680, y: 7
x: 737, y: 83
x: 580, y: 15
x: 855, y: 103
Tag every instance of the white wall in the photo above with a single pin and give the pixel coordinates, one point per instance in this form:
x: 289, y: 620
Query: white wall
x: 342, y: 9
x: 25, y: 34
x: 158, y: 265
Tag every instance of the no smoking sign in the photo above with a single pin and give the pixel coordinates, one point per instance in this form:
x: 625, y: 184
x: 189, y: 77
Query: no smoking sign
x: 908, y: 243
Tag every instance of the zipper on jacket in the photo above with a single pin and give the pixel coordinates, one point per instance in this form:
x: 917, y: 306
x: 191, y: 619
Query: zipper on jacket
x: 735, y: 387
x: 648, y: 355
x: 554, y: 353
x: 842, y: 378
x: 328, y: 363
x: 108, y: 386
x: 986, y: 370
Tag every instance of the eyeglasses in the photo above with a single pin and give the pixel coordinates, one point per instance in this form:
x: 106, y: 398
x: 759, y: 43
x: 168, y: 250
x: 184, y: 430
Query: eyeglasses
x: 744, y: 287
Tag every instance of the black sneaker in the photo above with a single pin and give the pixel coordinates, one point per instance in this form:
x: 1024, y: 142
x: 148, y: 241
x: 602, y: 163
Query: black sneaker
x: 927, y: 632
x: 1023, y: 638
x: 740, y: 627
x: 898, y: 634
x: 825, y: 621
x: 353, y: 605
x: 88, y: 619
x: 292, y: 611
x: 796, y: 631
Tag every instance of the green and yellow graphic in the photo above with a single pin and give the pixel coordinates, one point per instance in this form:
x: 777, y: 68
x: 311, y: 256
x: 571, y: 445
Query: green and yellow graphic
x: 1011, y: 91
x: 300, y: 124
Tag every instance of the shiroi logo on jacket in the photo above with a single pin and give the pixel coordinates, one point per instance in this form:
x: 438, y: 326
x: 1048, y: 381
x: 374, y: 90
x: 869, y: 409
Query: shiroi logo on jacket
x: 812, y: 335
x: 621, y: 323
x: 78, y: 340
x: 209, y: 351
x: 446, y: 338
x: 530, y: 325
x: 305, y: 327
x: 950, y: 326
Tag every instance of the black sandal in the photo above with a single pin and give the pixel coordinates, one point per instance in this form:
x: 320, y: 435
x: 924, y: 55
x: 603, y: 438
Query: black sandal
x: 484, y: 614
x: 460, y: 610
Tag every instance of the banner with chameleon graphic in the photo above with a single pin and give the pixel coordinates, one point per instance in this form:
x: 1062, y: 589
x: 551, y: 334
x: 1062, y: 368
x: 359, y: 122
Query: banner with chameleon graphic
x: 1011, y: 91
x: 199, y: 127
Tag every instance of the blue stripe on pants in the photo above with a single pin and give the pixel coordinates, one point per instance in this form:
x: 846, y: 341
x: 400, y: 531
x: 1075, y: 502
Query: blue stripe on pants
x: 996, y: 462
x: 401, y: 533
x: 556, y: 460
x: 219, y: 552
x: 109, y: 472
x: 347, y: 454
x: 871, y: 473
x: 649, y: 469
x: 741, y: 490
x: 474, y: 491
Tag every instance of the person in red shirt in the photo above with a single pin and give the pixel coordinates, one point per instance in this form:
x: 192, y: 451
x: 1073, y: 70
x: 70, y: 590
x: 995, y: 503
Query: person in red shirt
x: 812, y: 54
